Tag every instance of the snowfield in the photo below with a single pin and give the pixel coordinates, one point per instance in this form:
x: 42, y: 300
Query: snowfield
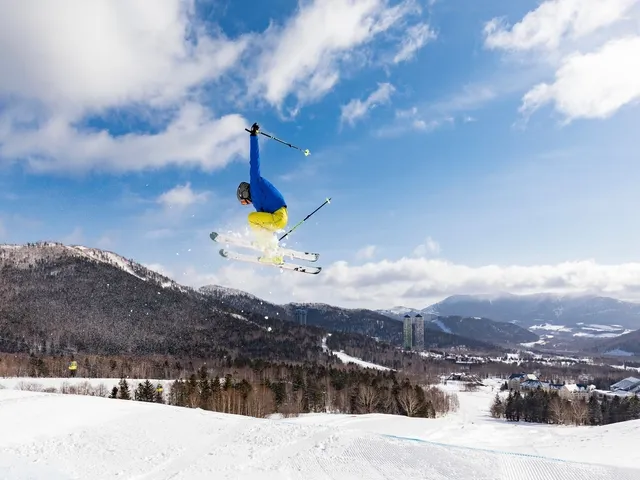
x: 40, y: 384
x: 551, y: 328
x: 346, y: 358
x: 56, y: 437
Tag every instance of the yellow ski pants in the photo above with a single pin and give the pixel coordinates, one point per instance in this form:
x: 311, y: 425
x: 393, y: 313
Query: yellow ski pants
x: 271, y: 222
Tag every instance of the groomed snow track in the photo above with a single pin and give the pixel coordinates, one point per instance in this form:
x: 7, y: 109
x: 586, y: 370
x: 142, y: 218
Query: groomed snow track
x: 63, y: 437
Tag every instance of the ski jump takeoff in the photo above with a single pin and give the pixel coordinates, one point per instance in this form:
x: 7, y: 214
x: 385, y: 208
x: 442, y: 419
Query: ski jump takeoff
x: 270, y: 216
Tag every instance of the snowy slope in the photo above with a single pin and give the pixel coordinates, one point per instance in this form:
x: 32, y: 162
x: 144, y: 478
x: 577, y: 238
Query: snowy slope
x: 346, y: 358
x: 60, y: 383
x: 25, y: 256
x: 399, y: 312
x: 56, y: 437
x: 572, y: 310
x: 472, y: 427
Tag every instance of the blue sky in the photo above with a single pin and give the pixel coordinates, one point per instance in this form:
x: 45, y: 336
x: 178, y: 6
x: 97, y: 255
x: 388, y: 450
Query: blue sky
x: 468, y: 147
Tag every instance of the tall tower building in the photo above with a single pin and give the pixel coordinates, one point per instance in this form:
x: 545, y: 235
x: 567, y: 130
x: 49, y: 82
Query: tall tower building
x: 301, y: 316
x: 407, y: 330
x: 419, y: 335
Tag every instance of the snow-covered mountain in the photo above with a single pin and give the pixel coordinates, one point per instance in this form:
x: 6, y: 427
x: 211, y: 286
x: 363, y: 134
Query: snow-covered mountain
x: 543, y: 308
x: 56, y: 298
x: 623, y: 345
x: 399, y: 312
x: 478, y: 328
x: 61, y: 299
x: 348, y: 320
x: 562, y: 321
x: 483, y: 329
x: 33, y: 254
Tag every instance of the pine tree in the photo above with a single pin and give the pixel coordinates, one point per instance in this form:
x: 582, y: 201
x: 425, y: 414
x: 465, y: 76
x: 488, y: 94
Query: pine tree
x: 498, y: 407
x: 615, y: 410
x: 145, y: 392
x: 528, y: 407
x: 279, y: 390
x: 595, y: 412
x: 216, y: 393
x: 228, y: 382
x: 204, y: 387
x: 138, y: 394
x: 509, y: 410
x: 605, y: 408
x: 634, y: 408
x: 518, y: 406
x: 546, y: 411
x: 123, y: 391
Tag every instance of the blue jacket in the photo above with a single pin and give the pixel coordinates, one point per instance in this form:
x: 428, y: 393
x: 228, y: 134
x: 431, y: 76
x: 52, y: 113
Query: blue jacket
x: 264, y: 196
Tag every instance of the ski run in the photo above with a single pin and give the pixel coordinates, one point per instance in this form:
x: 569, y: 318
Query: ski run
x: 62, y: 437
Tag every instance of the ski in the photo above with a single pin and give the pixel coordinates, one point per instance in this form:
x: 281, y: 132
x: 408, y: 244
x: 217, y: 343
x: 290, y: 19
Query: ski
x: 242, y: 257
x: 286, y: 252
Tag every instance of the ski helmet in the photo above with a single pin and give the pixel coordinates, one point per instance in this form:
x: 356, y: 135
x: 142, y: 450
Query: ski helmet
x: 244, y: 193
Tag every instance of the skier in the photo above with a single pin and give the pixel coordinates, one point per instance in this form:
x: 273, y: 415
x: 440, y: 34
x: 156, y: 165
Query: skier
x: 271, y: 208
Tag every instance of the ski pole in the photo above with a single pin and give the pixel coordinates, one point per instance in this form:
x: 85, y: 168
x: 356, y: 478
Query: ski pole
x: 306, y: 152
x: 328, y: 200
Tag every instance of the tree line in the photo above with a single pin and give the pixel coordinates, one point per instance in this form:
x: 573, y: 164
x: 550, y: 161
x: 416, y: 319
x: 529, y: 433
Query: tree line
x: 310, y: 388
x: 540, y: 406
x: 262, y: 388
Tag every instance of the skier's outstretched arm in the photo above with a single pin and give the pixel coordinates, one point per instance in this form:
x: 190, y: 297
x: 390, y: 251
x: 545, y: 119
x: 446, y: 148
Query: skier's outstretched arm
x: 254, y: 159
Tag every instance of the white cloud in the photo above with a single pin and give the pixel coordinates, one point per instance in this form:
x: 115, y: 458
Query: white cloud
x: 193, y: 138
x: 429, y: 247
x: 77, y: 55
x: 593, y: 85
x: 63, y: 62
x: 357, y: 108
x: 470, y: 97
x: 416, y: 37
x: 366, y: 252
x: 418, y: 282
x: 556, y: 21
x: 60, y: 68
x: 304, y: 57
x: 593, y: 47
x: 412, y: 120
x: 181, y: 196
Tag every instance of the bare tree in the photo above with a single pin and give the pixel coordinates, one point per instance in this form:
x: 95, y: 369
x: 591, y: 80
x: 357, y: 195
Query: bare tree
x: 367, y: 398
x: 298, y: 401
x: 561, y: 411
x: 409, y: 401
x: 260, y: 402
x: 388, y: 402
x: 580, y: 411
x: 556, y: 410
x: 442, y: 402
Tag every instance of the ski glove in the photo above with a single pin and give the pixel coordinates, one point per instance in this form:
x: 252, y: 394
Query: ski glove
x: 255, y: 128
